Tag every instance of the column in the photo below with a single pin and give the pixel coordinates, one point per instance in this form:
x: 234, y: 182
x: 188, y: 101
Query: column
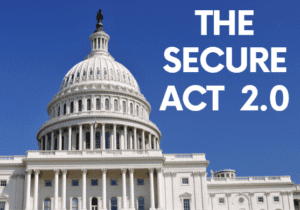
x: 150, y: 141
x: 135, y: 140
x: 104, y: 189
x: 68, y: 107
x: 159, y: 189
x: 80, y: 137
x: 197, y: 189
x: 130, y: 140
x: 252, y: 200
x: 70, y: 138
x: 59, y: 140
x: 101, y: 43
x: 115, y: 138
x: 131, y: 170
x: 46, y: 141
x: 152, y: 206
x: 103, y: 137
x: 143, y: 139
x: 291, y: 201
x: 56, y: 171
x: 84, y: 188
x: 125, y: 137
x: 28, y: 185
x: 36, y: 188
x: 212, y: 195
x: 64, y: 189
x: 157, y: 144
x: 204, y: 190
x: 124, y: 197
x: 92, y: 136
x: 52, y: 140
x: 154, y: 142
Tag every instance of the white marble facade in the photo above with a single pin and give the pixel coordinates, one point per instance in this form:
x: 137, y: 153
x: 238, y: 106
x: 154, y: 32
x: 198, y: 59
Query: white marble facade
x: 100, y: 151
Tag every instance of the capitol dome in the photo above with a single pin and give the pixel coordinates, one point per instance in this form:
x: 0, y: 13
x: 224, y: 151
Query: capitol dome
x: 99, y: 106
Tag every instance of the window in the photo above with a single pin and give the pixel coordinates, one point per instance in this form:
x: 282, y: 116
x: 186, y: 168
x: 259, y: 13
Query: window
x: 98, y: 104
x: 186, y: 204
x: 97, y: 140
x: 106, y: 104
x: 89, y: 104
x: 113, y: 182
x: 107, y: 140
x: 84, y: 73
x: 78, y: 74
x: 141, y: 203
x: 87, y: 140
x: 185, y: 181
x: 74, y: 182
x: 94, y: 203
x: 276, y: 199
x: 94, y: 182
x: 48, y: 183
x: 260, y: 199
x: 137, y: 110
x: 77, y: 141
x: 74, y: 204
x: 72, y: 107
x: 3, y: 183
x: 114, y: 203
x: 124, y: 106
x: 63, y: 143
x: 55, y: 144
x: 140, y: 143
x: 131, y: 108
x: 65, y: 109
x: 241, y: 200
x: 79, y: 105
x: 47, y: 204
x: 91, y: 71
x: 2, y: 205
x: 58, y: 112
x: 118, y: 141
x: 140, y: 182
x: 222, y: 200
x: 116, y: 104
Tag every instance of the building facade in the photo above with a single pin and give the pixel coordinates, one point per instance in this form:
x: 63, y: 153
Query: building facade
x: 100, y: 151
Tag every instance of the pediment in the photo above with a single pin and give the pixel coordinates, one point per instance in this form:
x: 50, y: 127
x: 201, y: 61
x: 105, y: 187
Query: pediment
x: 3, y: 197
x: 186, y: 194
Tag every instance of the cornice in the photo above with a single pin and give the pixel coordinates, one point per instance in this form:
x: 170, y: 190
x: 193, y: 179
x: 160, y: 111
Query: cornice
x: 250, y: 184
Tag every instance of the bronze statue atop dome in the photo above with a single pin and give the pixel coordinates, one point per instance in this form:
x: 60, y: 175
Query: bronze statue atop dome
x: 99, y: 18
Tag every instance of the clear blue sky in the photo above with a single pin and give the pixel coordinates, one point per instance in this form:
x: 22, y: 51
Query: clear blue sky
x: 41, y: 40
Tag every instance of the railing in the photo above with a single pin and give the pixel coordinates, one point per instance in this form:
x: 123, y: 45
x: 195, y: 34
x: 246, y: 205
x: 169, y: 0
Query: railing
x: 217, y: 180
x: 7, y: 158
x: 183, y: 156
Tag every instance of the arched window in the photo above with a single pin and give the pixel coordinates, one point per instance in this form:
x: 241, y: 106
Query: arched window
x: 63, y: 143
x: 137, y: 110
x: 87, y: 140
x: 55, y: 144
x: 94, y: 203
x: 77, y: 141
x: 79, y: 105
x: 141, y: 203
x: 118, y: 141
x: 124, y: 106
x: 72, y: 107
x: 114, y: 203
x: 58, y: 112
x: 74, y: 204
x: 98, y: 140
x: 65, y: 109
x: 107, y: 140
x: 98, y: 104
x: 89, y: 104
x: 152, y: 144
x: 47, y: 204
x: 106, y: 104
x: 140, y: 143
x: 131, y: 108
x: 116, y: 105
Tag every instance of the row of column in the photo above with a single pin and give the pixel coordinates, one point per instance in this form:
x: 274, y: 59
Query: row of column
x: 84, y: 172
x: 99, y: 43
x: 133, y: 140
x: 130, y: 107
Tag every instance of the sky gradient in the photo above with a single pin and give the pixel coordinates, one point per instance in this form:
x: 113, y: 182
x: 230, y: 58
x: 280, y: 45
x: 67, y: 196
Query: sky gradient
x: 41, y: 41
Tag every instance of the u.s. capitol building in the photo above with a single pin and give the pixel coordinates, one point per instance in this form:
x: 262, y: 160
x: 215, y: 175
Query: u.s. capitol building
x: 100, y: 151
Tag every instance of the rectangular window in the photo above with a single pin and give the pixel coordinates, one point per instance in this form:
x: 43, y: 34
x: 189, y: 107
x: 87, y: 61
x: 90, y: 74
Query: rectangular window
x: 74, y: 182
x: 94, y: 182
x: 113, y: 182
x: 48, y: 183
x: 3, y: 183
x: 276, y: 199
x: 2, y: 205
x: 185, y: 181
x: 260, y: 199
x: 221, y: 200
x: 186, y: 204
x: 140, y: 182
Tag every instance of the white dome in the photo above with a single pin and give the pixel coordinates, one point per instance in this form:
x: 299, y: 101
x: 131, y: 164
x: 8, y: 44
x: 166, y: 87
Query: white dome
x: 99, y: 69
